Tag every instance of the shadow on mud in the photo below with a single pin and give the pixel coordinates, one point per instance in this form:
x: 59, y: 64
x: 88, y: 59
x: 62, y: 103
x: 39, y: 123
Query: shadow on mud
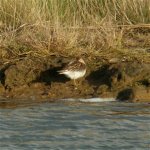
x: 104, y: 76
x: 51, y: 75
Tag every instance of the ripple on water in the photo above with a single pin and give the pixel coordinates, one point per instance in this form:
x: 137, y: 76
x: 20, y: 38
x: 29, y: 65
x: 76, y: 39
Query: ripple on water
x: 109, y: 125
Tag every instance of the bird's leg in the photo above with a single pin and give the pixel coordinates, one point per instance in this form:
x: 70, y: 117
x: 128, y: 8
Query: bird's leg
x: 80, y: 81
x: 75, y: 84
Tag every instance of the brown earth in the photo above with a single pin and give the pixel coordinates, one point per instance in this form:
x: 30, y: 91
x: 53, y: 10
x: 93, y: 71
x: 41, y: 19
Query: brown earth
x: 37, y: 80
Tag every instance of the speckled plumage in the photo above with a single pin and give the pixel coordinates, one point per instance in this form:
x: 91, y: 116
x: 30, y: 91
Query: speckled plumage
x: 75, y: 69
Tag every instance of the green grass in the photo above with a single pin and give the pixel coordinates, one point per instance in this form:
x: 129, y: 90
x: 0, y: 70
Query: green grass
x: 72, y: 27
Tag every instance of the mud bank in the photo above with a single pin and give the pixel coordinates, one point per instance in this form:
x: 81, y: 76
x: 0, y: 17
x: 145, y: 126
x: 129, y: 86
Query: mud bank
x: 34, y: 78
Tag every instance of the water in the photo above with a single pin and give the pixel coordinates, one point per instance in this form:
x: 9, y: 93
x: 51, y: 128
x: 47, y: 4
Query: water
x: 72, y: 126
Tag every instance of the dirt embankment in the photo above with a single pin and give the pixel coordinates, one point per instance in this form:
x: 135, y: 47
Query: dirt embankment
x: 34, y: 78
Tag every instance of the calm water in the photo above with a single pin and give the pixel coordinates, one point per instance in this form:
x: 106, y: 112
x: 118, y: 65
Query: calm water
x: 72, y: 126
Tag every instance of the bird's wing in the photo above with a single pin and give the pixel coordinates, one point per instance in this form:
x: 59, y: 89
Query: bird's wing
x: 70, y: 66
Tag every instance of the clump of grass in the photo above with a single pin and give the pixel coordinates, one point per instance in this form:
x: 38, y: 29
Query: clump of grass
x: 70, y: 27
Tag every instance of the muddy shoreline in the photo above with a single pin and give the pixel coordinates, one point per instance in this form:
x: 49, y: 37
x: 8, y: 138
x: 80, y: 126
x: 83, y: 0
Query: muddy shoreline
x: 34, y: 78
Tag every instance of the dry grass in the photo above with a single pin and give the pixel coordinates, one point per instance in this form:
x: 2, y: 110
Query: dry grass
x: 72, y: 27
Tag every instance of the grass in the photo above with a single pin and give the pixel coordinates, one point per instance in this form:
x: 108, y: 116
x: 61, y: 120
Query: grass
x: 72, y: 27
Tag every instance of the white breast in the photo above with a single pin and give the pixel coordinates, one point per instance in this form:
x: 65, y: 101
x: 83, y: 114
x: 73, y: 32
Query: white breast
x: 74, y: 74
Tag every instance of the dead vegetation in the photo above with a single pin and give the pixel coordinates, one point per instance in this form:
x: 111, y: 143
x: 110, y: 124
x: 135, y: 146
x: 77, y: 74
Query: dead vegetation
x: 71, y: 28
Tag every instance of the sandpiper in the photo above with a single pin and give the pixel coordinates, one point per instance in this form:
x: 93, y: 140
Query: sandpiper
x: 75, y: 69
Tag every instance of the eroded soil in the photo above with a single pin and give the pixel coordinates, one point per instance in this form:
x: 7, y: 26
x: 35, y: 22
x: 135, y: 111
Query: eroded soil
x: 37, y: 79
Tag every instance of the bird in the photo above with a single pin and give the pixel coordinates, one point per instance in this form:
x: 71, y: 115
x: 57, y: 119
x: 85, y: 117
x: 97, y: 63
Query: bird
x: 74, y: 69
